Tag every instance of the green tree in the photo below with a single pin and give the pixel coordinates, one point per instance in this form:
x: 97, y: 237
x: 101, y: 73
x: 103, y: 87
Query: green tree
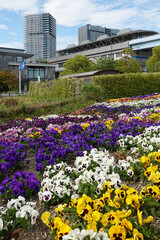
x: 9, y: 79
x: 153, y: 62
x: 41, y: 61
x: 128, y: 64
x: 103, y: 64
x: 77, y: 64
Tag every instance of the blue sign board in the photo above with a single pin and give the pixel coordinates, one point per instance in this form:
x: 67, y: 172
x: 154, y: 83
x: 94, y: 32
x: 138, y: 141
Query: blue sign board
x: 22, y: 66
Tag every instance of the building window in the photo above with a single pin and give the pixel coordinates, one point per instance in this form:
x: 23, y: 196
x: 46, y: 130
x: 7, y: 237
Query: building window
x: 60, y: 65
x: 119, y: 54
x: 35, y: 72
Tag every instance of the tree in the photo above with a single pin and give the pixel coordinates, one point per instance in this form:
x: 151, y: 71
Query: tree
x: 9, y: 79
x: 128, y: 64
x: 153, y: 62
x: 41, y: 61
x: 77, y: 64
x: 103, y: 64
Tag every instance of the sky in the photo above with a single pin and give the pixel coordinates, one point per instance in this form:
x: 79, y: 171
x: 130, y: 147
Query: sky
x: 72, y: 14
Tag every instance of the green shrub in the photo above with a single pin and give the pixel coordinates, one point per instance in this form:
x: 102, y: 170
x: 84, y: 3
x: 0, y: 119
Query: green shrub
x: 92, y: 91
x: 128, y: 84
x: 61, y: 88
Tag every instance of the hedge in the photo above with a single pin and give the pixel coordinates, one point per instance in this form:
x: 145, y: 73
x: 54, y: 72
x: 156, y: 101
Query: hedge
x: 128, y: 84
x: 61, y: 88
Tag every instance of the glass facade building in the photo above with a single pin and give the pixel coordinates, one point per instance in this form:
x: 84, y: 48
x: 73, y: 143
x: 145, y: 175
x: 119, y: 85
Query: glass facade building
x: 91, y: 32
x: 40, y: 35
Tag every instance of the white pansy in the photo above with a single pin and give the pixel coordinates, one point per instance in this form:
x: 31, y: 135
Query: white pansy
x: 1, y: 224
x: 34, y: 215
x: 47, y: 196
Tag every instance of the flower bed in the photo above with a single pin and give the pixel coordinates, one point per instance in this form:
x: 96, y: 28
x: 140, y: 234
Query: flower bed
x: 90, y: 164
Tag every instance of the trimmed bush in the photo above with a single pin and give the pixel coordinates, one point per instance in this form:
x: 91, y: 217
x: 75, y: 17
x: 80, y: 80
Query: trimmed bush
x: 92, y: 91
x: 128, y: 84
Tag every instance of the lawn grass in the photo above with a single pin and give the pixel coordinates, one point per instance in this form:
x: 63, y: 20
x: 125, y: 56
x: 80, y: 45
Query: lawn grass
x: 12, y: 108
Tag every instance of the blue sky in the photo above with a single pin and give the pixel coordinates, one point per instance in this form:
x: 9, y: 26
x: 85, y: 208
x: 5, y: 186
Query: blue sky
x: 71, y: 14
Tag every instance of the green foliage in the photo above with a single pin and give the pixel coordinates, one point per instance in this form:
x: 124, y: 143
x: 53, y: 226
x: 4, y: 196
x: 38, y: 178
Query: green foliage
x: 3, y: 86
x: 153, y: 62
x: 77, y: 64
x: 61, y: 88
x: 127, y: 52
x: 42, y: 61
x: 127, y: 64
x: 92, y: 91
x: 128, y: 84
x: 9, y: 79
x: 103, y: 64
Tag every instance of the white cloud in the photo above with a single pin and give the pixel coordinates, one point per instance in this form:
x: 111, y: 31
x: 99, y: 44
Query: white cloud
x: 18, y: 45
x: 3, y: 27
x: 19, y: 5
x: 114, y: 18
x: 115, y: 14
x: 70, y: 13
x: 63, y: 42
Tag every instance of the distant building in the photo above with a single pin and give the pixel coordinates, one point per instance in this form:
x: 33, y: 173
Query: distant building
x: 8, y: 55
x: 91, y: 32
x: 40, y: 35
x: 11, y: 58
x: 105, y: 46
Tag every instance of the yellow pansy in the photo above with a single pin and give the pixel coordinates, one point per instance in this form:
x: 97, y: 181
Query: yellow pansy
x: 133, y: 200
x: 107, y: 196
x: 28, y: 119
x: 117, y: 232
x: 144, y: 192
x: 157, y: 158
x: 106, y: 186
x: 145, y: 160
x: 37, y: 133
x: 73, y: 203
x: 109, y: 217
x: 137, y: 235
x: 125, y: 187
x: 132, y: 191
x: 63, y: 230
x: 58, y: 130
x: 99, y: 204
x: 60, y: 208
x: 121, y: 193
x: 80, y: 205
x: 85, y: 125
x: 150, y: 170
x: 96, y: 216
x: 92, y: 225
x: 154, y: 177
x: 153, y: 191
x: 57, y: 222
x: 124, y: 213
x: 45, y: 217
x: 126, y: 223
x: 141, y: 221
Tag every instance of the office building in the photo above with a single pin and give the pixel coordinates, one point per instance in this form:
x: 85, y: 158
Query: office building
x: 91, y: 32
x: 12, y: 58
x: 111, y: 47
x: 40, y: 35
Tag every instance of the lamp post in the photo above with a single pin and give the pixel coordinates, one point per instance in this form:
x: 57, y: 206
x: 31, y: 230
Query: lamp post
x: 21, y: 67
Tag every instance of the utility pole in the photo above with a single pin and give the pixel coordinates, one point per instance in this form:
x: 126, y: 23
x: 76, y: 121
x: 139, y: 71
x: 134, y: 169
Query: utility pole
x: 21, y: 67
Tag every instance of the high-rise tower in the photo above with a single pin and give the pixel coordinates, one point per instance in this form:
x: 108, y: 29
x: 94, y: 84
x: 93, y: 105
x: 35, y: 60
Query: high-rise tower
x: 40, y: 35
x: 91, y: 32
